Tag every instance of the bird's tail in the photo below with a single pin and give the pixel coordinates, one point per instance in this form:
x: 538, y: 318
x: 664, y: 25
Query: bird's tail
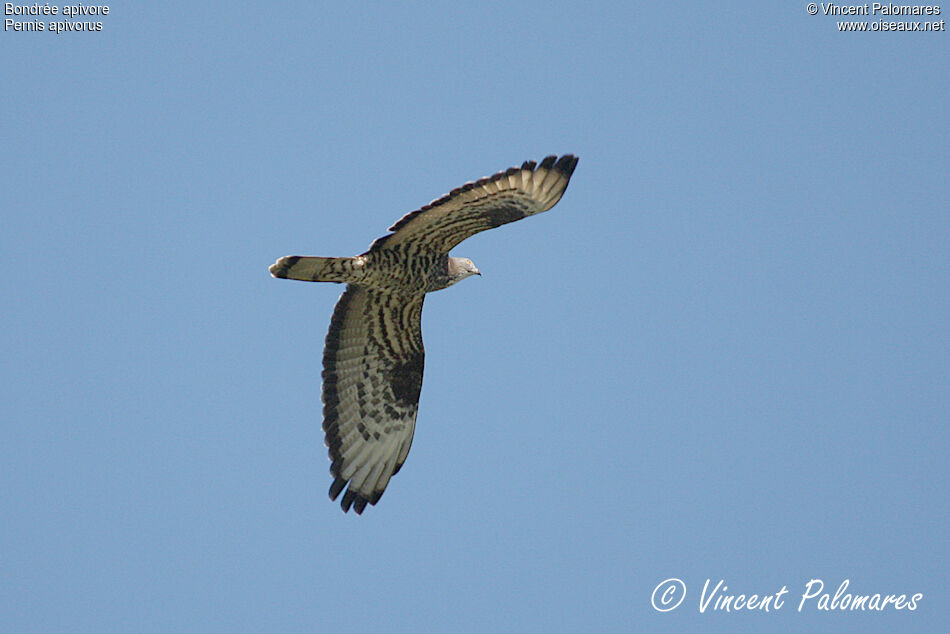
x: 316, y: 269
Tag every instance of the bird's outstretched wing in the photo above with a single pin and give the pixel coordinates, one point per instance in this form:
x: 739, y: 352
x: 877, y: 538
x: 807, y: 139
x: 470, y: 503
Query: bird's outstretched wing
x: 484, y: 204
x: 372, y: 376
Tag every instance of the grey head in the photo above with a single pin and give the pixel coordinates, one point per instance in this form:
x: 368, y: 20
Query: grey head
x: 460, y: 268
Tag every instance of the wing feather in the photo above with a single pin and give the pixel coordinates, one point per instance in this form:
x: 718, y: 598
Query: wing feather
x: 372, y: 376
x: 483, y: 204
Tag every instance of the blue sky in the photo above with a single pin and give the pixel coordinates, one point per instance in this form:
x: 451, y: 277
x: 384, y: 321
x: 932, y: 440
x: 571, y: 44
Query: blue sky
x: 723, y: 355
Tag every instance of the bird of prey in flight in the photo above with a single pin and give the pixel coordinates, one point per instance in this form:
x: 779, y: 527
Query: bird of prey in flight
x: 373, y: 357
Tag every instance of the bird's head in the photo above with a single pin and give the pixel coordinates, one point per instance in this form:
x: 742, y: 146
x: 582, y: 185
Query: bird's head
x: 460, y: 268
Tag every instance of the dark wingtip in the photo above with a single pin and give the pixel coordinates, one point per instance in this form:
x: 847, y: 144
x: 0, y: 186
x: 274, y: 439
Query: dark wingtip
x: 336, y: 487
x: 355, y: 500
x: 352, y: 499
x: 347, y: 500
x: 566, y: 164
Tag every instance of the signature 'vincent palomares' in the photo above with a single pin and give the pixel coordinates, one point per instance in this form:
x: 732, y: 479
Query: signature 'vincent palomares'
x: 373, y: 358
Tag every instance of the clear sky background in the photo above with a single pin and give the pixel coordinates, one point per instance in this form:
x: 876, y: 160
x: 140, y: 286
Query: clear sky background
x: 725, y: 354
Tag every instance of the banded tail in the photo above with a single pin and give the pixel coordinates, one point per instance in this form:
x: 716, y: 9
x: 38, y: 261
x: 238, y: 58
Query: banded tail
x: 317, y: 269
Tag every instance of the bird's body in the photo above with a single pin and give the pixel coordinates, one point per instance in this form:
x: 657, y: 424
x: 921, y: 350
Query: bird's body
x: 389, y: 270
x: 373, y: 359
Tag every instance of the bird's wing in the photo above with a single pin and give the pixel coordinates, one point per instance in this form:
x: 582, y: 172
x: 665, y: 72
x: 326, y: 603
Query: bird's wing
x: 484, y: 204
x: 372, y: 376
